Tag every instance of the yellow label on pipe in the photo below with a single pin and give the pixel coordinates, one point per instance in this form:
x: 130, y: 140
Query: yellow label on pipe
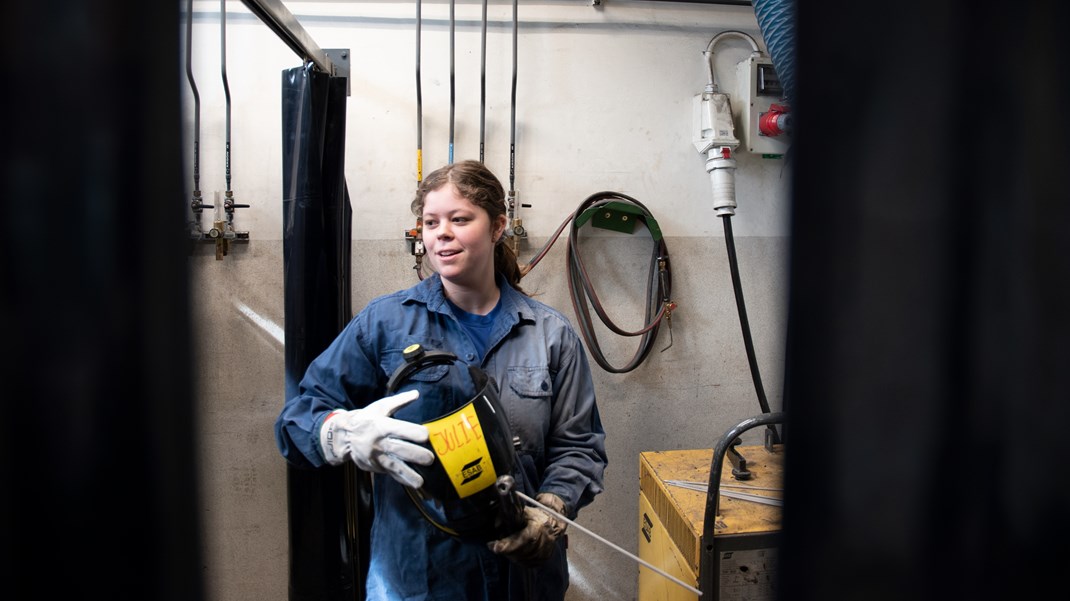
x: 459, y: 444
x: 419, y: 165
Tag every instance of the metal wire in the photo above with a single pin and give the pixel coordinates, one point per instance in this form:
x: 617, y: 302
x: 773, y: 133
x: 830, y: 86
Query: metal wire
x: 608, y: 543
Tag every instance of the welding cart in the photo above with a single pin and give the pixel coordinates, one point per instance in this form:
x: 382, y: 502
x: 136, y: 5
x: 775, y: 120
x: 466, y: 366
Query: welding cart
x: 718, y: 533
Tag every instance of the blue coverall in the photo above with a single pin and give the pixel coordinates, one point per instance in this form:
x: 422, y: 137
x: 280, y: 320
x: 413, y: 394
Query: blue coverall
x: 546, y: 390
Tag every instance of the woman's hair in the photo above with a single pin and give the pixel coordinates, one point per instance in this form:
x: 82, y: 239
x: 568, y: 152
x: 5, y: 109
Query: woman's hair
x: 481, y: 187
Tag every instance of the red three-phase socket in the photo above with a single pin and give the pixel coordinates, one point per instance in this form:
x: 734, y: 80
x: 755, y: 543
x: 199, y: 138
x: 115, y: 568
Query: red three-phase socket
x: 775, y: 122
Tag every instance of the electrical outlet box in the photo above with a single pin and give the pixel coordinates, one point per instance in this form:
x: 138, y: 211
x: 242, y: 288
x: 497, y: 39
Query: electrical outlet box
x: 758, y: 89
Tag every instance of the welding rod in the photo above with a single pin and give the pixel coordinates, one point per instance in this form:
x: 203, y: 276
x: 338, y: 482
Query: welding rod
x: 535, y: 503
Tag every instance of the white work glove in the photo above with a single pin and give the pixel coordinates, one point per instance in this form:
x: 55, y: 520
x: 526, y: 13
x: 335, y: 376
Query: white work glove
x: 533, y: 544
x: 377, y: 442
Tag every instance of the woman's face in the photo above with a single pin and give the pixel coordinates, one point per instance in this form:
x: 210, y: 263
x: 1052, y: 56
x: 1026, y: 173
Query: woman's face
x: 459, y: 238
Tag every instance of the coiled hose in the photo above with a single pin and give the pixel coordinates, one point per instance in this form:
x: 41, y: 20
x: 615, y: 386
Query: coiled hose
x: 659, y: 287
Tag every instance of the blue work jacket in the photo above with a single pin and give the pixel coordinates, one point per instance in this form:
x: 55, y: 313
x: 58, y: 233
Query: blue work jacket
x: 547, y: 392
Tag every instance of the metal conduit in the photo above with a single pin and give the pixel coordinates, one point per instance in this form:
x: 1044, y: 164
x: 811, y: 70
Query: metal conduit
x: 483, y: 84
x: 512, y: 112
x: 197, y: 202
x: 196, y: 102
x: 453, y: 26
x: 223, y: 70
x: 419, y: 100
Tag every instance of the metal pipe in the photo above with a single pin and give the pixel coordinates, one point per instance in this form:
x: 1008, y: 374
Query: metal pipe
x: 419, y: 101
x: 483, y: 85
x: 512, y: 112
x: 708, y: 53
x: 724, y: 2
x: 196, y: 102
x: 453, y: 22
x: 226, y: 86
x: 279, y: 19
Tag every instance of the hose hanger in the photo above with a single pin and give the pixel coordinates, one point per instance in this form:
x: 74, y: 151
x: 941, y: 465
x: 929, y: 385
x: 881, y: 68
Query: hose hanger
x: 601, y: 209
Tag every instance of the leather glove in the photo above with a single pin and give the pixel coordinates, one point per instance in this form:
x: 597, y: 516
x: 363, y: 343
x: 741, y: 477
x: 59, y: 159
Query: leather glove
x: 377, y: 442
x: 532, y: 545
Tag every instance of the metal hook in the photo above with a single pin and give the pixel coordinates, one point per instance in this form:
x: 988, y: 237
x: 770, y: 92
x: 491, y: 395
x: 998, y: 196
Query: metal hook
x: 670, y: 306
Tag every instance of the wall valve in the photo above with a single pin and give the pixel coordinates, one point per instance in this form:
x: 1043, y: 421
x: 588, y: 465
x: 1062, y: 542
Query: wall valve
x: 514, y: 229
x: 222, y: 244
x: 414, y: 236
x: 515, y: 226
x: 222, y: 232
x: 197, y: 206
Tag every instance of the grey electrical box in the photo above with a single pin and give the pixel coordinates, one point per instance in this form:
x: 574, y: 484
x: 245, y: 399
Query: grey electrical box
x: 758, y: 88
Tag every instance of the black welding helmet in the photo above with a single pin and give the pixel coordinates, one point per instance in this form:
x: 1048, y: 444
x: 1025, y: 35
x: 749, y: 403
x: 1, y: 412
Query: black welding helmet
x: 470, y: 437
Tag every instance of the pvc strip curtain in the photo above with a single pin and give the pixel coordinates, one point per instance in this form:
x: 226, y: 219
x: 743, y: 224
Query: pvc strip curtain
x: 316, y: 267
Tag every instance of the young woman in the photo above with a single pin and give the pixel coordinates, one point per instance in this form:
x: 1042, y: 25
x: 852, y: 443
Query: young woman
x: 473, y: 307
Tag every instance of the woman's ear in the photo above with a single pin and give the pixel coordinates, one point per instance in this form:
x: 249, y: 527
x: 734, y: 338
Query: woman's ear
x: 499, y: 228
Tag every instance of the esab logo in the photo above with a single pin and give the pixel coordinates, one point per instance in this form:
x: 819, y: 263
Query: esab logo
x: 472, y: 471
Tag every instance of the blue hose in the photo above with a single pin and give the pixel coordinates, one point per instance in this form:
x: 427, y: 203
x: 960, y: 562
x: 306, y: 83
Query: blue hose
x: 776, y: 19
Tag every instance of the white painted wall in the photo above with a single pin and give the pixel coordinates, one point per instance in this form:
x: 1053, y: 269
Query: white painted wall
x: 603, y: 103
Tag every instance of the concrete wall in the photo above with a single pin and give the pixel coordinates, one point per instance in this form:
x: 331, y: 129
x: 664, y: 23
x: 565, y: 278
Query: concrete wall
x: 604, y: 103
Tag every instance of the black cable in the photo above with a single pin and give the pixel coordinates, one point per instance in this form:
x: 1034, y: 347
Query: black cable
x: 737, y: 286
x: 659, y: 285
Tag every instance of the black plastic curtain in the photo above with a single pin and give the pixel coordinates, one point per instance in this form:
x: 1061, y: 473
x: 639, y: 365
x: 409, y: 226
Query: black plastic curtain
x: 324, y: 554
x: 928, y: 382
x: 98, y: 449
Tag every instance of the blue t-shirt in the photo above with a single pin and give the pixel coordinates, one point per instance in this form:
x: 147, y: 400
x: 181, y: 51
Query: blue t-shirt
x: 477, y: 326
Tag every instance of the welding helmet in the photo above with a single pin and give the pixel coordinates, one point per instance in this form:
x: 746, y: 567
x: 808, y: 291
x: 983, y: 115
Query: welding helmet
x: 471, y: 442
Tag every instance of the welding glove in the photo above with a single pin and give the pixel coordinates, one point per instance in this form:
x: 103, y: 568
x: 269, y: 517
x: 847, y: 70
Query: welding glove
x: 532, y: 545
x: 377, y: 442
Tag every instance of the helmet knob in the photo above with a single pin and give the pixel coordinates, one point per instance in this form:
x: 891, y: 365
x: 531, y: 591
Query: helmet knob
x: 413, y: 352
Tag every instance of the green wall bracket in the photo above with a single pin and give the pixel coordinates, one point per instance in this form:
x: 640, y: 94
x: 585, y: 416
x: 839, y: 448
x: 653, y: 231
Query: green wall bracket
x: 619, y: 217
